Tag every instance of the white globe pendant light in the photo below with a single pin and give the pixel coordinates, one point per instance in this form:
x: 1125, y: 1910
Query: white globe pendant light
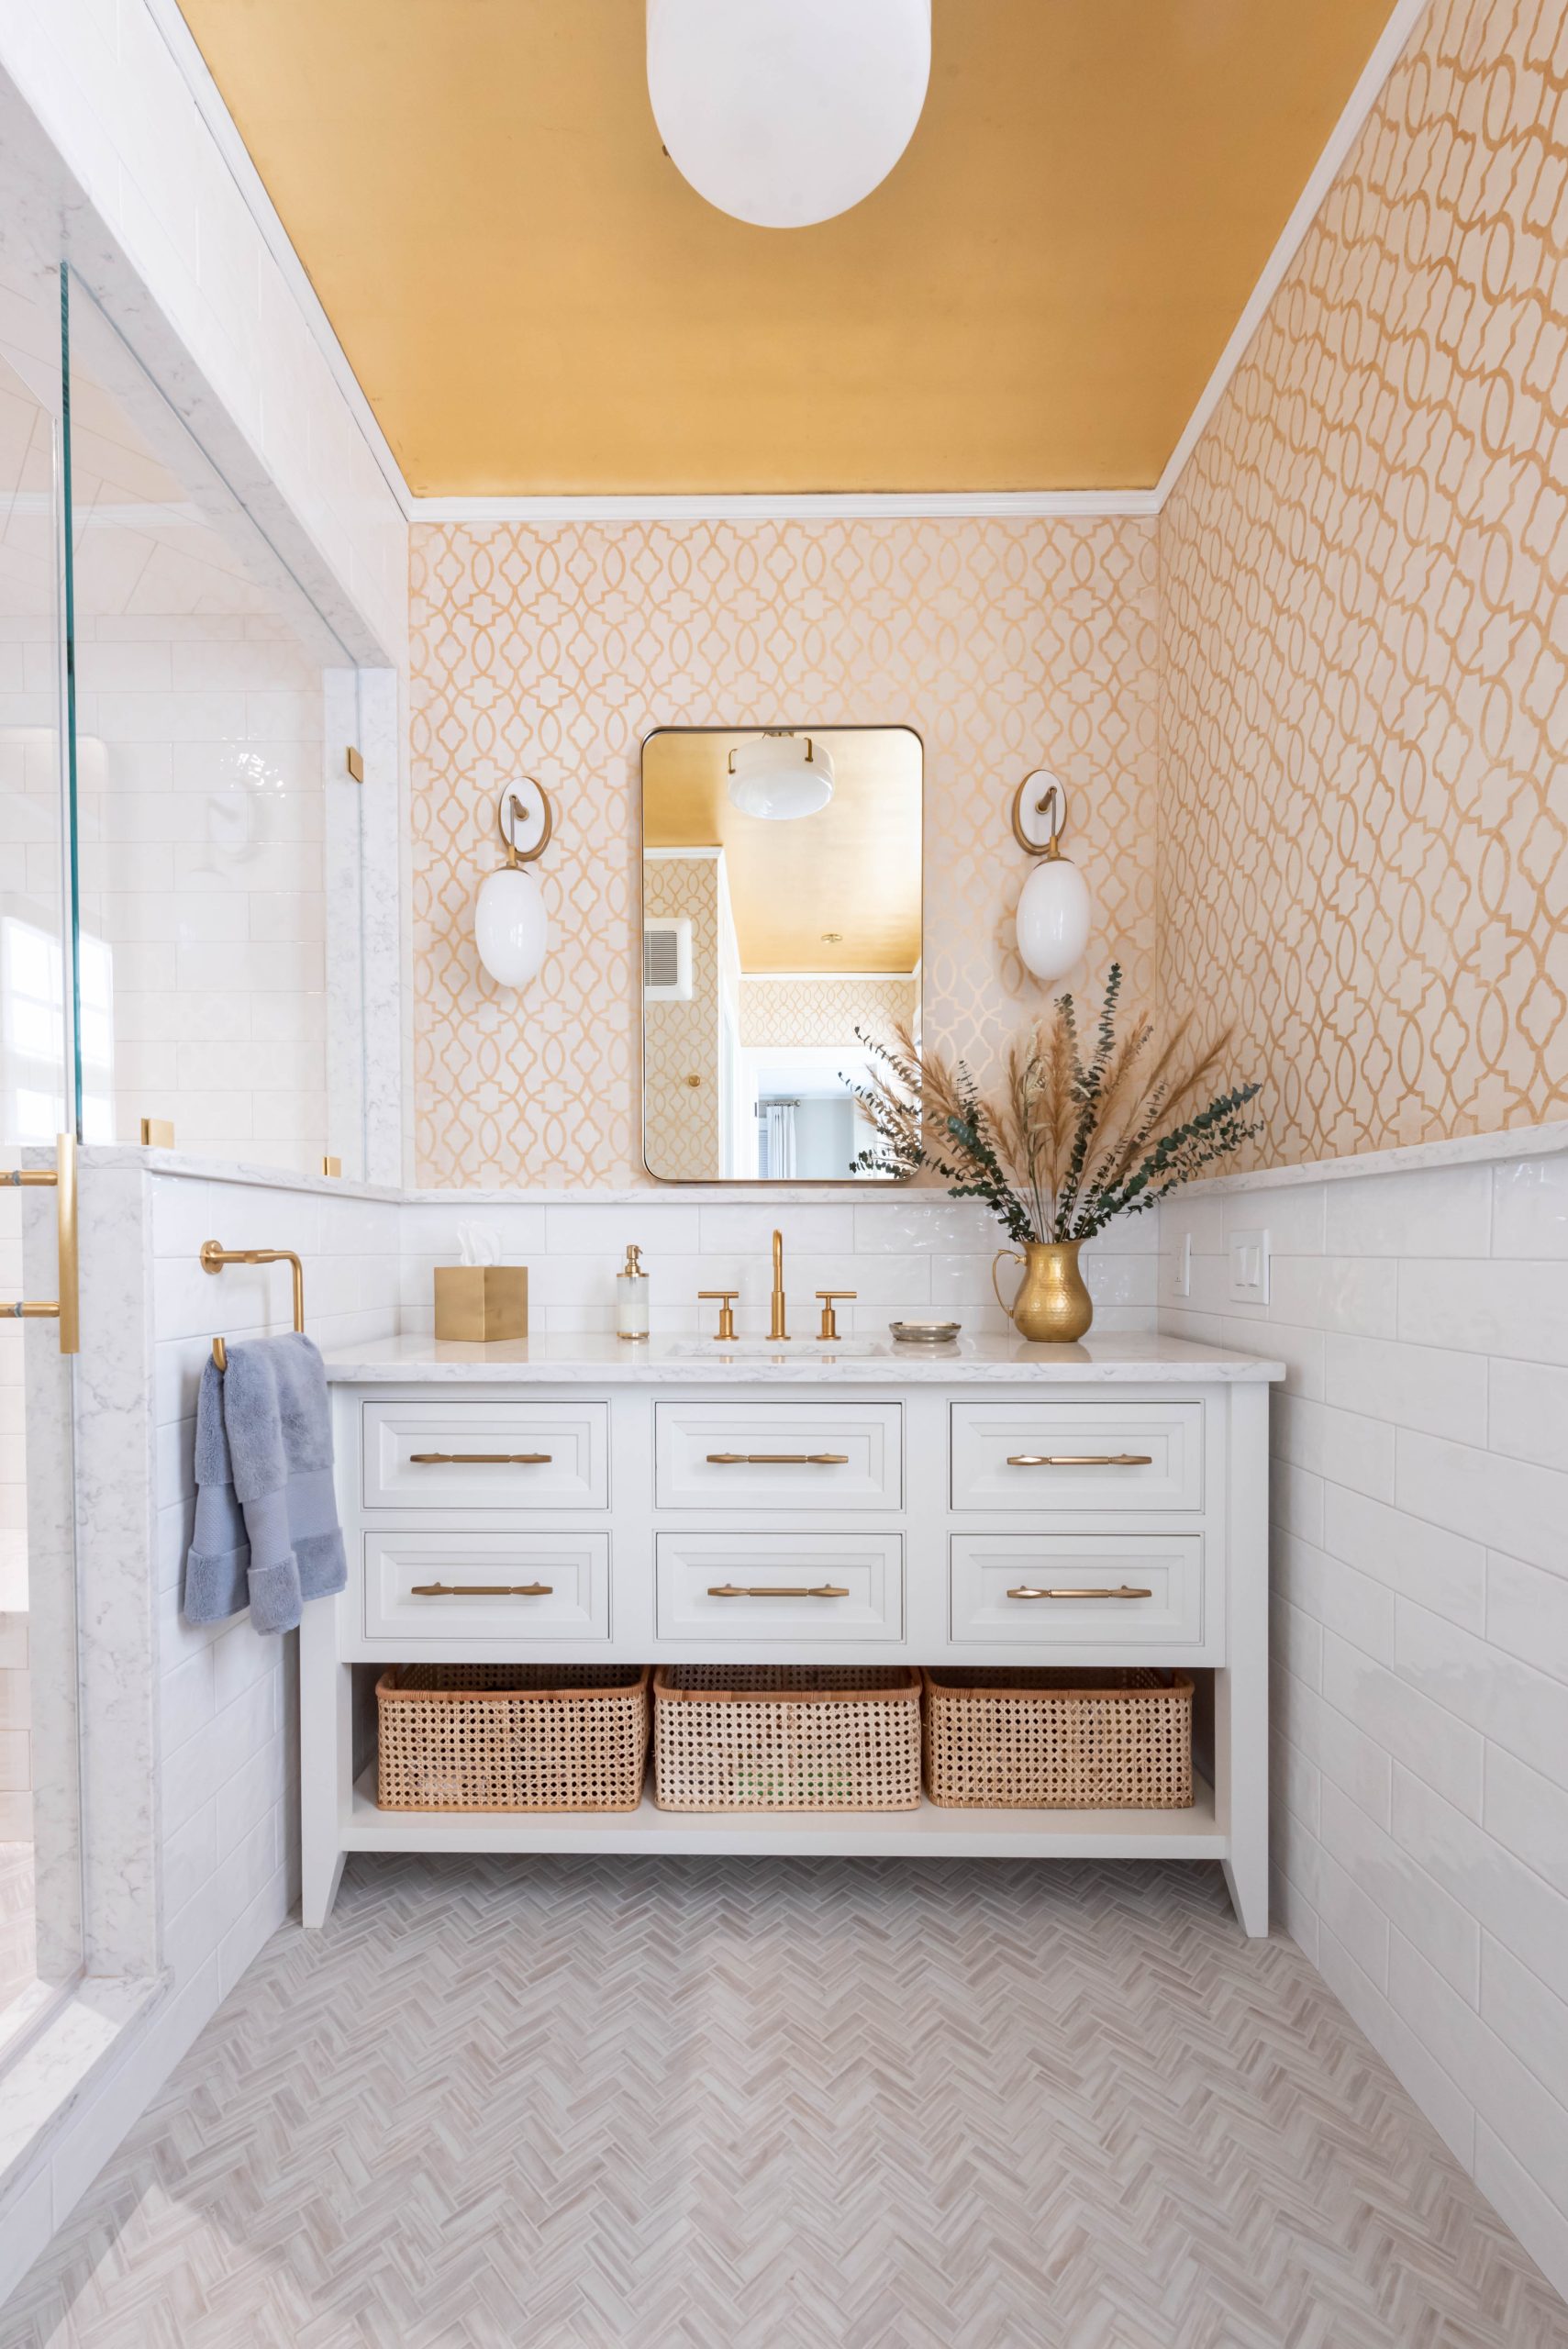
x: 511, y: 928
x: 786, y: 112
x: 1052, y: 923
x: 780, y: 777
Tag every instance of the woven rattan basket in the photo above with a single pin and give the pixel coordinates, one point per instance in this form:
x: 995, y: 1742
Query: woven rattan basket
x: 785, y: 1737
x: 1108, y: 1740
x: 511, y: 1736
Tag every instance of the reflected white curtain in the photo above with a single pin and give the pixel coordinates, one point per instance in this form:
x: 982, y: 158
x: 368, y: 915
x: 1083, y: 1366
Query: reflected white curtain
x: 778, y: 1141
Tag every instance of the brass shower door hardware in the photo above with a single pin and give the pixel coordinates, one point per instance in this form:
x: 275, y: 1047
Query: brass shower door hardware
x: 66, y: 1308
x: 831, y: 1296
x: 1079, y: 1460
x: 213, y: 1257
x: 725, y: 1312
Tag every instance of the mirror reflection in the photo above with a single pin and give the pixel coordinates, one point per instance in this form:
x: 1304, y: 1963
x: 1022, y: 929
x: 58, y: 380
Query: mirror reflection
x: 780, y: 881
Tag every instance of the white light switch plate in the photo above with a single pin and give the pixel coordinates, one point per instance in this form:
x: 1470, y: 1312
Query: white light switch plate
x: 1182, y: 1266
x: 1249, y: 1252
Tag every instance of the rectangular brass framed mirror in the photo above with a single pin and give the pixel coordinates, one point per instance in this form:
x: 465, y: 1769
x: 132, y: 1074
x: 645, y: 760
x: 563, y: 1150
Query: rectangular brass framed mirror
x: 781, y: 914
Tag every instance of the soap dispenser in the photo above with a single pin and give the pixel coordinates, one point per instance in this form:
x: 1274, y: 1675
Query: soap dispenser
x: 631, y: 1297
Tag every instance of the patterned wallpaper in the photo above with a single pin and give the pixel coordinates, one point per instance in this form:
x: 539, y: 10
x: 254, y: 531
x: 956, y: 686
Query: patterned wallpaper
x: 554, y: 650
x: 682, y: 1038
x: 1364, y: 658
x: 824, y: 1012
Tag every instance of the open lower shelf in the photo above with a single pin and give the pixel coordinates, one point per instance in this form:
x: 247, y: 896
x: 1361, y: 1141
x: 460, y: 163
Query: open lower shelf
x: 928, y: 1833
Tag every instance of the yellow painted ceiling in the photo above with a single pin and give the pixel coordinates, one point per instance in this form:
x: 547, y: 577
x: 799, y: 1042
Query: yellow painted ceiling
x: 836, y: 891
x: 535, y: 300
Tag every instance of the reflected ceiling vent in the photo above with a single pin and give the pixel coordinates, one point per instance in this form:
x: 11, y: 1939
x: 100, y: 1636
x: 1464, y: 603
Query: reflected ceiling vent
x: 667, y: 958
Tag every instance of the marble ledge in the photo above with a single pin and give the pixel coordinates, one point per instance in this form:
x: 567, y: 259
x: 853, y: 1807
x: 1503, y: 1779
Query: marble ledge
x: 1462, y: 1150
x: 567, y: 1359
x: 1408, y: 1158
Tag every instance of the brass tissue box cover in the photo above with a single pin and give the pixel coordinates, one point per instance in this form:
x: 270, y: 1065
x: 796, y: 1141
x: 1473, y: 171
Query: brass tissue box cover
x: 482, y: 1303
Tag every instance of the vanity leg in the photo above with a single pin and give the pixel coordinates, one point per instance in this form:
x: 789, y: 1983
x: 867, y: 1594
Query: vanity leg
x: 1241, y: 1687
x: 325, y: 1759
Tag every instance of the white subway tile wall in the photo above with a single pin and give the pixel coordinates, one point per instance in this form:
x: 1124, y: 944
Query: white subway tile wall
x: 204, y: 909
x: 1419, y: 1501
x: 903, y: 1256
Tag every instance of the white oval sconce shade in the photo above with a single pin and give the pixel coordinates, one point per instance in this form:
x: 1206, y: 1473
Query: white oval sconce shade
x: 780, y: 777
x: 511, y: 928
x: 783, y: 112
x: 1053, y: 921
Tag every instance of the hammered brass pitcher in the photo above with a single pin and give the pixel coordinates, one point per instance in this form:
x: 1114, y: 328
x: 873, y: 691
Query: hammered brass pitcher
x: 1052, y: 1305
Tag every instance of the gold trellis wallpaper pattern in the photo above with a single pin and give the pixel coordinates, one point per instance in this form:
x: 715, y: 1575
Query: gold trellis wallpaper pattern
x: 553, y: 650
x: 681, y: 1040
x: 1364, y: 658
x: 824, y: 1012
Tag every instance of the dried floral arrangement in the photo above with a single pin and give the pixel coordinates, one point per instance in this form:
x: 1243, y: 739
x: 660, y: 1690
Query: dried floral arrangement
x: 1066, y: 1143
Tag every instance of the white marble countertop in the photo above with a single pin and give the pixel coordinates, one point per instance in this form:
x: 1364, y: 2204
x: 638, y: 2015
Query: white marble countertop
x: 1131, y: 1360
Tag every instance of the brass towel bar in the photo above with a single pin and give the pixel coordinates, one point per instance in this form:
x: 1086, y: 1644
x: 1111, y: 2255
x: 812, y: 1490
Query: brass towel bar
x: 1079, y: 1460
x: 65, y: 1308
x: 214, y: 1258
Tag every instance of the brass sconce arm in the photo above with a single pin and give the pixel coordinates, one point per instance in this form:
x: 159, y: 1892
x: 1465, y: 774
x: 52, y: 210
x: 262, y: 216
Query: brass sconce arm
x: 1052, y: 796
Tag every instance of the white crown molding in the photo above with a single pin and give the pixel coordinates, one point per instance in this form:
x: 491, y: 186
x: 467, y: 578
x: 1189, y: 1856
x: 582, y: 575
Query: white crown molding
x: 827, y: 505
x: 181, y: 43
x: 1391, y: 46
x: 869, y: 505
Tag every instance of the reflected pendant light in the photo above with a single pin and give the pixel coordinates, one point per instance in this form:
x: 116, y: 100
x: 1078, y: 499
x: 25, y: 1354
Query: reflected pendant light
x: 511, y: 928
x: 1053, y: 921
x: 786, y: 112
x: 780, y: 777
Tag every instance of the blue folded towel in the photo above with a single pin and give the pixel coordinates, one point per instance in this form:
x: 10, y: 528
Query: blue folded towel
x: 266, y: 1533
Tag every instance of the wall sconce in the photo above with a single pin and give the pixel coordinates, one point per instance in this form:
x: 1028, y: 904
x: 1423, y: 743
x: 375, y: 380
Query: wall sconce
x: 1052, y: 919
x: 511, y: 928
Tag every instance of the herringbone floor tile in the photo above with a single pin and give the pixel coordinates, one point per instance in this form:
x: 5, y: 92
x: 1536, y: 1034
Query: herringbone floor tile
x: 582, y: 2104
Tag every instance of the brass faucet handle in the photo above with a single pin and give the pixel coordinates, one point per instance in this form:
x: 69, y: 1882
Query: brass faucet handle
x: 829, y: 1318
x: 725, y: 1312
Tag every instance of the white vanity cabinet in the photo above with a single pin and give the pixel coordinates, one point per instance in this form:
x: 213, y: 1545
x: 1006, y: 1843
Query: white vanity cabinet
x: 573, y: 1500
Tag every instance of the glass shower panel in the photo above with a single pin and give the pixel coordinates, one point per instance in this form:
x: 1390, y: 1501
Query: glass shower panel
x: 200, y: 675
x: 34, y: 989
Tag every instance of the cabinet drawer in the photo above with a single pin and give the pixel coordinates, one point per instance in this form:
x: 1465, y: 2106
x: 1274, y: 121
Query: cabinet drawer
x: 789, y: 1588
x: 991, y: 1573
x: 476, y: 1586
x: 780, y: 1455
x: 1065, y: 1457
x: 486, y: 1456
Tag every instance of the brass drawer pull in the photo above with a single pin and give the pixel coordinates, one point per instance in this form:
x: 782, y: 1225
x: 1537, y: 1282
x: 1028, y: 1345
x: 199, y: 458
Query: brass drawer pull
x: 1123, y: 1590
x: 482, y: 1590
x: 775, y: 1590
x: 1079, y: 1460
x: 778, y: 1459
x: 480, y: 1459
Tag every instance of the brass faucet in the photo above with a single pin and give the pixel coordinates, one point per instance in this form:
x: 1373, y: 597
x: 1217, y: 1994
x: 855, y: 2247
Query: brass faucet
x: 776, y: 1328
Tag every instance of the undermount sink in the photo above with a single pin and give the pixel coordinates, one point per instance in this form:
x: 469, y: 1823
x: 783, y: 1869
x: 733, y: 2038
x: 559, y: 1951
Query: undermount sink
x: 775, y: 1349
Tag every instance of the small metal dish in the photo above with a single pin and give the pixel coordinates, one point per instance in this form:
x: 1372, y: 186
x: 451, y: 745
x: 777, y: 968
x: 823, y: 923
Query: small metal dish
x: 924, y: 1333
